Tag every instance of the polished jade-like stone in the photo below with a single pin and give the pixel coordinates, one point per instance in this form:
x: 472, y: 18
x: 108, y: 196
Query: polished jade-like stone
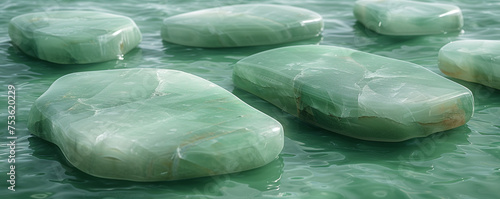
x: 394, y: 17
x: 356, y: 94
x: 472, y: 60
x: 242, y: 25
x: 153, y: 125
x: 74, y: 37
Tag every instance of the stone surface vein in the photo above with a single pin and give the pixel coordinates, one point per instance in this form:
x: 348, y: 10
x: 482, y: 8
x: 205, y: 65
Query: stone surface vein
x: 354, y: 93
x: 111, y: 124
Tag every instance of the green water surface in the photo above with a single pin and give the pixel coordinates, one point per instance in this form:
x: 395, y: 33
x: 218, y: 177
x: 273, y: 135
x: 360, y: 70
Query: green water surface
x: 460, y: 163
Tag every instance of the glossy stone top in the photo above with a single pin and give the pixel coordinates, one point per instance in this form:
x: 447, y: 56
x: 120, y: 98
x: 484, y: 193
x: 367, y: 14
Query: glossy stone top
x: 153, y: 125
x: 395, y: 17
x: 74, y: 37
x: 472, y: 60
x: 242, y: 25
x: 355, y: 93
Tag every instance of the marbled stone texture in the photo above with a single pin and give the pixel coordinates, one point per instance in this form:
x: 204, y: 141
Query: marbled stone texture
x: 472, y: 60
x: 356, y: 94
x: 74, y: 37
x: 242, y: 25
x: 403, y: 18
x: 153, y: 125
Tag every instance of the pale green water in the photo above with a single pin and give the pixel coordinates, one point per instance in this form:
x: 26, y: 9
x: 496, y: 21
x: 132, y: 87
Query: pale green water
x: 460, y: 163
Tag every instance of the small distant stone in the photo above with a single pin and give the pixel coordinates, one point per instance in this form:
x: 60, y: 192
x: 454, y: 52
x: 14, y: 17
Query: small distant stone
x: 74, y: 37
x: 472, y: 60
x: 394, y: 17
x: 242, y: 25
x: 153, y: 125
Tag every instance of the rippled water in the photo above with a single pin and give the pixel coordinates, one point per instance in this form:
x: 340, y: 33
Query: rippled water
x: 460, y: 163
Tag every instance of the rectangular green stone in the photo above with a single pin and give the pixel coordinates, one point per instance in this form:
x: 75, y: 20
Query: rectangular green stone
x: 153, y: 125
x: 242, y: 25
x: 472, y: 60
x: 400, y: 17
x: 355, y: 93
x: 74, y: 37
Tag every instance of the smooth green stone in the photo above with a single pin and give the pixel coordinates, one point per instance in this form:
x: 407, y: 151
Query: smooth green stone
x: 353, y: 93
x: 74, y: 37
x: 394, y: 17
x: 153, y: 125
x: 472, y: 60
x: 242, y: 25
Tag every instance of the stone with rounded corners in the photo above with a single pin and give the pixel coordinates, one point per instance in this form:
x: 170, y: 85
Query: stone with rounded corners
x: 356, y: 94
x: 472, y: 60
x: 74, y: 37
x: 403, y: 18
x: 242, y: 25
x: 153, y: 125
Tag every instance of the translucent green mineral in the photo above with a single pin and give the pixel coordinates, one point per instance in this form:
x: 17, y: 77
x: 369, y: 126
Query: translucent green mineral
x: 242, y: 25
x: 74, y: 37
x: 394, y: 17
x: 356, y: 94
x: 153, y: 125
x: 472, y: 60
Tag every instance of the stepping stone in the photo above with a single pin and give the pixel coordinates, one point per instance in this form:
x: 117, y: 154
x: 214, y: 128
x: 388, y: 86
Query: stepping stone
x: 242, y: 25
x: 153, y: 125
x: 472, y: 60
x: 74, y: 37
x: 356, y: 94
x: 404, y: 18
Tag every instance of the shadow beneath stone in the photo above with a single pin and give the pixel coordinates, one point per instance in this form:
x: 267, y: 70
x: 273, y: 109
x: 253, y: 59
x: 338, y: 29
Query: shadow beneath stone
x: 54, y: 168
x: 312, y: 139
x: 365, y: 36
x: 38, y: 66
x: 233, y: 54
x: 367, y: 39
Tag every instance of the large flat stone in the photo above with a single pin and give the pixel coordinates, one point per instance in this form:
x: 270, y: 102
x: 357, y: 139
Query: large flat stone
x: 395, y: 17
x: 242, y: 25
x: 356, y: 94
x: 472, y: 60
x: 74, y: 37
x: 152, y: 125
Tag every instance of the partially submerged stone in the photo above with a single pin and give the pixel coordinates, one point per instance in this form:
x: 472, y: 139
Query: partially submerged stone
x: 242, y: 25
x: 152, y: 125
x: 74, y: 37
x: 472, y: 60
x: 394, y: 17
x: 356, y: 94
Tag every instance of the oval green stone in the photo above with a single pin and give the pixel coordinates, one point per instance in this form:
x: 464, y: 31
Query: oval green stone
x: 74, y: 37
x: 152, y: 125
x: 242, y: 25
x: 472, y: 60
x: 356, y: 94
x: 390, y: 17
